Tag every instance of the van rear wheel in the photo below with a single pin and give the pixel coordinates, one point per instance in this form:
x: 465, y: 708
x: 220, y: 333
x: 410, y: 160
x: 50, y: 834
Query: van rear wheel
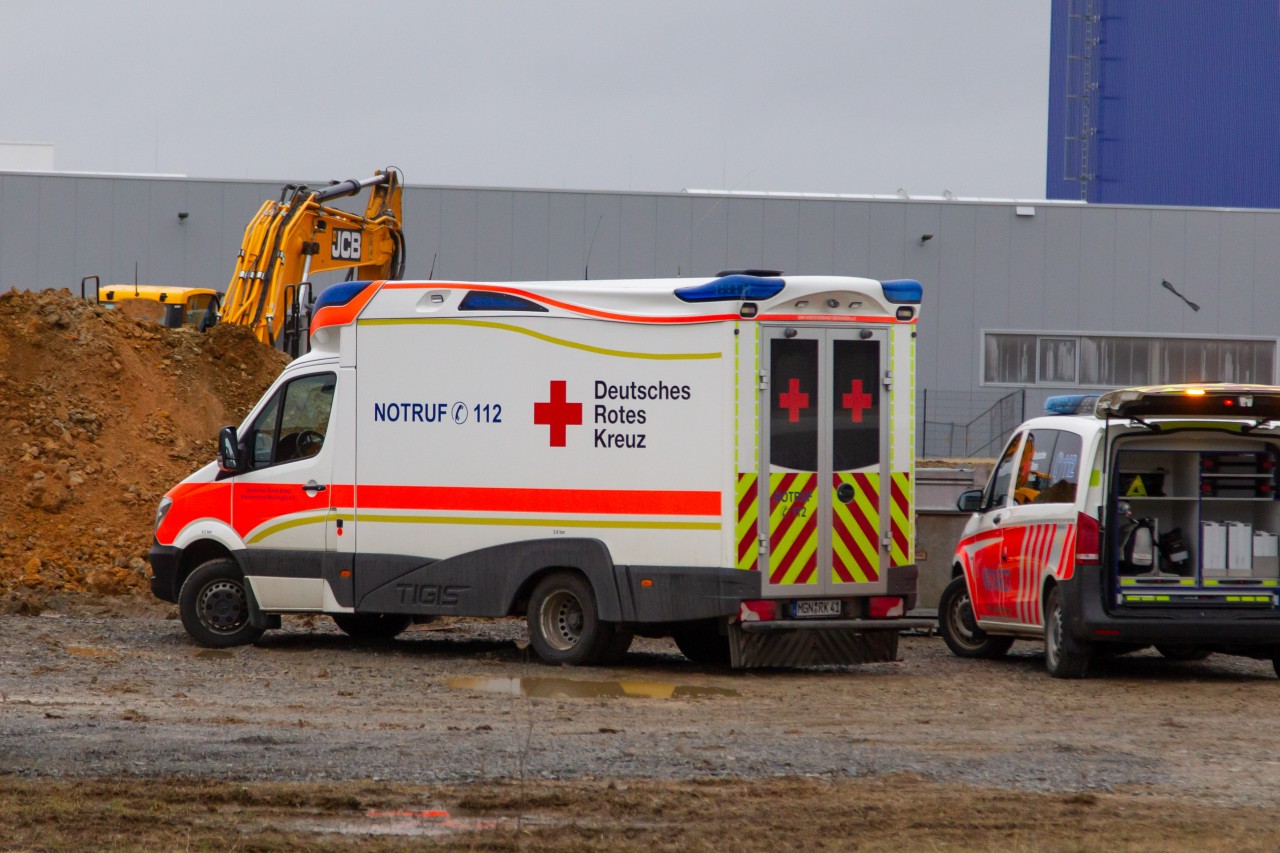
x: 564, y: 624
x: 959, y: 627
x: 214, y: 605
x: 1064, y: 656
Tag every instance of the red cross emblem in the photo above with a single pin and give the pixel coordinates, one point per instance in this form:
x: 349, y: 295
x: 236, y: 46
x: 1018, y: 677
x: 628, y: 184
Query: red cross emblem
x: 793, y: 400
x: 856, y: 401
x: 558, y: 413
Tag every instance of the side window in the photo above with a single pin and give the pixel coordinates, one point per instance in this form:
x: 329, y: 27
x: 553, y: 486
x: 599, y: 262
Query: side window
x: 1032, y: 467
x: 294, y: 423
x: 998, y: 489
x: 1062, y: 469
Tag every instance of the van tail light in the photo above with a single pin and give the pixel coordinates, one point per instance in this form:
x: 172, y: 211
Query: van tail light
x: 757, y: 611
x: 885, y: 607
x: 1088, y: 546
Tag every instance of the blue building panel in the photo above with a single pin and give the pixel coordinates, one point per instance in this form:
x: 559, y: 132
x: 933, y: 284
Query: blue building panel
x: 1174, y: 102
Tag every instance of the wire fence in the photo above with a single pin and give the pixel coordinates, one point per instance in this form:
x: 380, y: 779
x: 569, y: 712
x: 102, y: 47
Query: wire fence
x: 968, y: 424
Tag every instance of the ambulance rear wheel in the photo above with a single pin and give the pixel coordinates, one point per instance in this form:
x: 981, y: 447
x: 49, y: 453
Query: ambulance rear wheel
x: 1064, y: 656
x: 371, y: 626
x: 959, y: 627
x: 214, y: 605
x: 702, y: 643
x: 564, y: 625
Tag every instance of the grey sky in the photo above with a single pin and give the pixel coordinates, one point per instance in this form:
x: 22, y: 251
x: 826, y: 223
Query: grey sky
x: 852, y: 96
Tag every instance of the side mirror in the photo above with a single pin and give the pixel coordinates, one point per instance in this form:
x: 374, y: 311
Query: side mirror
x: 229, y: 450
x: 970, y: 501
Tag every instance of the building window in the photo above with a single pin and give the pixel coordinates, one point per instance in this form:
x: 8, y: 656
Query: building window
x: 1111, y: 361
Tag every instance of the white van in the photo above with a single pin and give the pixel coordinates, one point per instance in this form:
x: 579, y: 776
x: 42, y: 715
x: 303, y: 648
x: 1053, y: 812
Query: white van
x: 1148, y: 518
x: 724, y: 461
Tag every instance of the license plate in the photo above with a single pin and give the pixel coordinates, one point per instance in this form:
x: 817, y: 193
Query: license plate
x: 820, y: 608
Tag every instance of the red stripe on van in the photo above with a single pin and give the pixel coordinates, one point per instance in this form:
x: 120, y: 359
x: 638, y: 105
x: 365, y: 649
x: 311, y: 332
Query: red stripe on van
x: 602, y: 501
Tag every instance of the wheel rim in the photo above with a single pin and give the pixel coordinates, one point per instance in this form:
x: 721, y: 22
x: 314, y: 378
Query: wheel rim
x: 562, y: 620
x: 964, y: 627
x: 223, y: 606
x: 1052, y: 635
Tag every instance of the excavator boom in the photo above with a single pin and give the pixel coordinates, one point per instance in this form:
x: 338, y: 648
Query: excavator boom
x: 299, y: 235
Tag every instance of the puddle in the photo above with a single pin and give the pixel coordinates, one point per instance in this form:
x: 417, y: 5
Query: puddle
x: 570, y: 688
x: 417, y: 823
x: 90, y: 652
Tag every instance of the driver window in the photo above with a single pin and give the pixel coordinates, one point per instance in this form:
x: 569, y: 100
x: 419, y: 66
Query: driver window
x: 294, y: 423
x: 998, y: 489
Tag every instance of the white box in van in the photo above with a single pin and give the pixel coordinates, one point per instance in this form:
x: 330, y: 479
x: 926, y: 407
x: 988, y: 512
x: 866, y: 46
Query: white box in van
x: 1213, y: 549
x: 1239, y: 549
x: 1266, y: 556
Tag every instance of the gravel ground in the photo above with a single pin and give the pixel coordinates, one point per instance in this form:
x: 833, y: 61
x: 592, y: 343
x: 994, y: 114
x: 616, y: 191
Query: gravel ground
x: 84, y: 696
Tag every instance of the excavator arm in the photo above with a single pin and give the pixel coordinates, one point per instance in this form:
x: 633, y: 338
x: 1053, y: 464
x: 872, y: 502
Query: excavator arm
x: 291, y: 239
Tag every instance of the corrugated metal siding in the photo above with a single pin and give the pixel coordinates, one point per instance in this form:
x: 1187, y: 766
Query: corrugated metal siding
x: 1186, y: 110
x: 1069, y: 268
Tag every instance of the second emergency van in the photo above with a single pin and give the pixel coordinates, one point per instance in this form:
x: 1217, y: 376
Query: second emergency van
x: 726, y: 461
x: 1145, y: 517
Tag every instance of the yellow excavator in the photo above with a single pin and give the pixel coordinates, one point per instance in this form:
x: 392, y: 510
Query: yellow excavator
x: 291, y: 239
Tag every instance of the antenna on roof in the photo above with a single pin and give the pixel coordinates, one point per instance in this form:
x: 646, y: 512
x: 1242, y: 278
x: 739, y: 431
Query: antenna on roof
x: 431, y: 275
x: 135, y: 279
x: 586, y: 264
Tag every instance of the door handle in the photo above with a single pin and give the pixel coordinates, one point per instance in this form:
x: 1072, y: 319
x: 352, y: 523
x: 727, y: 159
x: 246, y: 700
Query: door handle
x: 997, y: 518
x: 313, y: 487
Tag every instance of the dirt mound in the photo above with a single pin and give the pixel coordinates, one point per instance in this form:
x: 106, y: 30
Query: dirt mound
x: 103, y: 414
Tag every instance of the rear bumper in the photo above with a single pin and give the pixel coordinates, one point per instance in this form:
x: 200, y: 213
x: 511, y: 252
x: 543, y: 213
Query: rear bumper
x: 164, y: 571
x: 1089, y: 621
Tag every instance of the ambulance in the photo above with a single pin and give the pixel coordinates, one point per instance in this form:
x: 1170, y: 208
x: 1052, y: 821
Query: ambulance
x: 1144, y: 517
x: 726, y: 461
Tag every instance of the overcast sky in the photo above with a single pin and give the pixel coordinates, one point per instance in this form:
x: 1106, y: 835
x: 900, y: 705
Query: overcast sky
x: 851, y: 96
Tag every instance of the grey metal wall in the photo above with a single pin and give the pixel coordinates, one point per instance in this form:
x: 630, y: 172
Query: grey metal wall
x: 1068, y: 267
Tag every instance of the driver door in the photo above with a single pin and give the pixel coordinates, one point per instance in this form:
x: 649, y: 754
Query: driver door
x: 281, y: 505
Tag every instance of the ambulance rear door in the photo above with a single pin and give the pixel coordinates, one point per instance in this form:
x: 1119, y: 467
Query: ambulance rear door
x: 824, y: 462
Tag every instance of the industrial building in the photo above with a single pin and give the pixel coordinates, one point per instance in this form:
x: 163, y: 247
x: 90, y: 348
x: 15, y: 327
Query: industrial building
x: 1022, y: 298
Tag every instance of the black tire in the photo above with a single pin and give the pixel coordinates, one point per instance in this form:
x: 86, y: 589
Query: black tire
x: 564, y: 624
x: 1064, y: 656
x: 960, y: 629
x: 372, y: 626
x: 1182, y: 653
x: 214, y: 604
x: 1275, y: 664
x: 702, y: 643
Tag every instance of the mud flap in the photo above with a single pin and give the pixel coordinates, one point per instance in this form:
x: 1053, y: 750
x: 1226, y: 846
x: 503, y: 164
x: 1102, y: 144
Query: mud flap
x: 753, y: 645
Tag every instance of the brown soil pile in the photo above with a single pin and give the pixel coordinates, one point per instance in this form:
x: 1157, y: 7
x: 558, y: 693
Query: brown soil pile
x: 102, y: 415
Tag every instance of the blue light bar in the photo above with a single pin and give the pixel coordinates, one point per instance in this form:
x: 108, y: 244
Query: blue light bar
x: 340, y: 294
x: 1071, y: 404
x: 731, y: 288
x: 903, y: 291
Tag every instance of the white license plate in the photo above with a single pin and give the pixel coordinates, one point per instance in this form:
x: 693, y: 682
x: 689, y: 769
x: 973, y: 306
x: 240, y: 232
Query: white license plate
x: 819, y: 608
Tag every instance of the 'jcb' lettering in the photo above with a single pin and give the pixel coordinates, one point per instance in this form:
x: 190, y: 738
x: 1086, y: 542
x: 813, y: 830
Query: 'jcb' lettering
x: 430, y: 594
x: 345, y: 245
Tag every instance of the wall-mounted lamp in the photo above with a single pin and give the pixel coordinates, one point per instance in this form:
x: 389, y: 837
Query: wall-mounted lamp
x: 182, y: 215
x: 925, y: 238
x: 1024, y: 210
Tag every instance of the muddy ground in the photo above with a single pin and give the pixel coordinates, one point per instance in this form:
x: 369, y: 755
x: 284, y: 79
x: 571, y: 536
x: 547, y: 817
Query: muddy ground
x: 113, y: 721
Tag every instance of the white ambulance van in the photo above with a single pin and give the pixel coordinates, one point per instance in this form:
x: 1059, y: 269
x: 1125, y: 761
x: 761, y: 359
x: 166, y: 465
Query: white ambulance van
x: 725, y: 461
x: 1145, y: 517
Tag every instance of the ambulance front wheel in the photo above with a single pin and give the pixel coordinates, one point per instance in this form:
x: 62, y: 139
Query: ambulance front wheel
x: 214, y: 605
x: 959, y: 627
x: 564, y: 625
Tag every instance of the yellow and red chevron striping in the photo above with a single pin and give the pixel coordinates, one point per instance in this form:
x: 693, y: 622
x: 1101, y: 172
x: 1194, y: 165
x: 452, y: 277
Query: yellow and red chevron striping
x: 855, y: 534
x: 748, y: 527
x: 793, y: 528
x: 900, y: 519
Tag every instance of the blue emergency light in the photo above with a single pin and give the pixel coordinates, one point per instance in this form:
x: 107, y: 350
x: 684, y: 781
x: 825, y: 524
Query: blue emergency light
x: 1071, y: 404
x: 340, y: 294
x: 732, y: 288
x: 903, y: 291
